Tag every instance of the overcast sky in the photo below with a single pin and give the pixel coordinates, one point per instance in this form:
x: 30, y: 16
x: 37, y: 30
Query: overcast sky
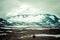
x: 51, y: 6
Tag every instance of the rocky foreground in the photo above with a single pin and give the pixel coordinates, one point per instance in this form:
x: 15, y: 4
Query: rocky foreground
x: 52, y: 34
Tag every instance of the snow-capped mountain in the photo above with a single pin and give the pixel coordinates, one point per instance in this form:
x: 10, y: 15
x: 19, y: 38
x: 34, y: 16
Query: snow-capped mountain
x: 28, y: 16
x: 45, y: 20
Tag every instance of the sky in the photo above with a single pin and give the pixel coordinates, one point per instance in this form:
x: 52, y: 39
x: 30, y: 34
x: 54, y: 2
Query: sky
x: 51, y: 6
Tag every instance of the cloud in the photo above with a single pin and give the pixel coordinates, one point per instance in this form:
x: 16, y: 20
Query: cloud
x: 6, y: 6
x: 52, y: 6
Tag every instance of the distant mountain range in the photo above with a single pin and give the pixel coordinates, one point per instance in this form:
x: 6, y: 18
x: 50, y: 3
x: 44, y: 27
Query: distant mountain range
x: 44, y: 20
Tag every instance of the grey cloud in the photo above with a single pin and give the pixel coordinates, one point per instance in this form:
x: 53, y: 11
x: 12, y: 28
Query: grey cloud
x: 49, y: 5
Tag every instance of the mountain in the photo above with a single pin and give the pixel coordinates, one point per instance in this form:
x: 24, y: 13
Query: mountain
x: 3, y: 22
x: 44, y: 20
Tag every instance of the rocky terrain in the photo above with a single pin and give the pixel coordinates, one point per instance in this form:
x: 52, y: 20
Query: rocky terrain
x: 9, y: 34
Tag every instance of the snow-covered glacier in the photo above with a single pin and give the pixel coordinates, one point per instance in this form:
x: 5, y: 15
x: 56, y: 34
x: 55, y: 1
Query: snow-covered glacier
x: 32, y: 17
x: 44, y: 20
